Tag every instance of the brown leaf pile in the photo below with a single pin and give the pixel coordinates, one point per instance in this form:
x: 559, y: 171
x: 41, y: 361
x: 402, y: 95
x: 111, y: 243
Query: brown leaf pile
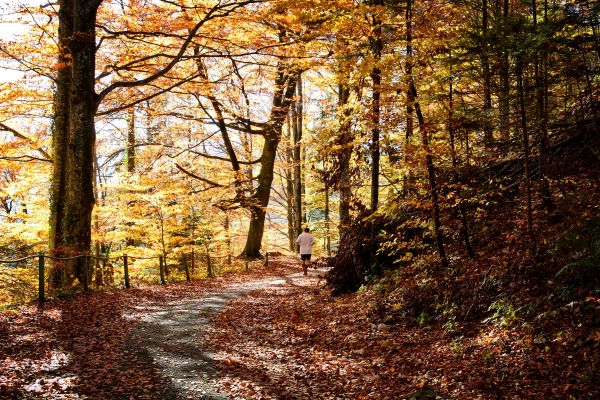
x: 298, y: 342
x: 74, y: 348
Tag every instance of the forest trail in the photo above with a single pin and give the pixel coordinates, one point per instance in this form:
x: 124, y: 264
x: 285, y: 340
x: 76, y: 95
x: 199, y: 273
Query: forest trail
x: 144, y: 343
x: 171, y: 337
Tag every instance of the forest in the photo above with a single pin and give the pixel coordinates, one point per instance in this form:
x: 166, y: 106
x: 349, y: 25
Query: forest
x: 445, y: 155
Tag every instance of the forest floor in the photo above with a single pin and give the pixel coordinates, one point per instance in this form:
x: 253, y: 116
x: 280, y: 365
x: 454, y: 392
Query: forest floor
x: 298, y: 342
x: 272, y: 334
x: 142, y: 343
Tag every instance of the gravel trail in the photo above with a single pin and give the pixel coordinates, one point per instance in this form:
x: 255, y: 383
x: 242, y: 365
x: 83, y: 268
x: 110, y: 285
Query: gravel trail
x: 171, y: 338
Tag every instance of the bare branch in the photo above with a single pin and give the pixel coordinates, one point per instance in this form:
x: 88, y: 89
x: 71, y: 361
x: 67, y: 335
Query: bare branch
x: 213, y: 184
x: 19, y: 135
x: 146, y: 98
x: 225, y: 9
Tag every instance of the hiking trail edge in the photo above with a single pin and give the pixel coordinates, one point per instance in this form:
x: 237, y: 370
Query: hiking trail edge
x: 171, y: 337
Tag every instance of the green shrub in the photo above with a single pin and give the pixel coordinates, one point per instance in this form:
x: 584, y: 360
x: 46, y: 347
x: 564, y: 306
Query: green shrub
x: 504, y: 312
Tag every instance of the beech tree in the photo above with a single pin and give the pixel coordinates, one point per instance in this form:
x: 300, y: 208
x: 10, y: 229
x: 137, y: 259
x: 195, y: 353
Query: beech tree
x: 243, y: 117
x: 75, y: 106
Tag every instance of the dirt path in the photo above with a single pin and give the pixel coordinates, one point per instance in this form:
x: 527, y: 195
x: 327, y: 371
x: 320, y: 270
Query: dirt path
x: 171, y: 337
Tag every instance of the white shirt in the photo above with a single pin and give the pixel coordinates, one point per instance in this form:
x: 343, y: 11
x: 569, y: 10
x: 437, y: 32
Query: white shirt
x: 305, y: 240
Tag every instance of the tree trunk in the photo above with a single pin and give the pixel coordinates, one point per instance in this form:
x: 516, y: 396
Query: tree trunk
x: 131, y: 140
x: 209, y: 269
x: 504, y: 92
x: 72, y: 195
x: 97, y: 246
x: 300, y: 119
x: 285, y: 86
x: 412, y: 99
x: 525, y: 133
x: 261, y: 197
x: 409, y: 105
x: 290, y: 188
x: 327, y: 221
x: 487, y: 90
x: 376, y: 48
x: 130, y: 160
x: 343, y: 158
x: 437, y: 224
x: 297, y: 132
x: 542, y: 117
x: 487, y: 85
x: 464, y: 229
x: 226, y: 226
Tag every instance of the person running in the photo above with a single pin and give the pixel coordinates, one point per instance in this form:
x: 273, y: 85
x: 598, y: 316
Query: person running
x: 306, y: 241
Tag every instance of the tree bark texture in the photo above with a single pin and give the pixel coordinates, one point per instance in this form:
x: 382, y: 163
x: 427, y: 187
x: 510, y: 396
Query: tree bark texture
x: 297, y: 132
x: 376, y: 48
x: 72, y: 194
x: 343, y: 158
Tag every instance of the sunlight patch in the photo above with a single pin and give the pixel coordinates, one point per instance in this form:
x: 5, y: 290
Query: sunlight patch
x: 54, y: 385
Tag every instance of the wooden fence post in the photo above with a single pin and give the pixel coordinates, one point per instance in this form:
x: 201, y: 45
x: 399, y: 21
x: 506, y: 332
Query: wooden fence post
x: 187, y: 269
x: 85, y: 272
x: 126, y: 271
x: 266, y: 259
x: 246, y: 264
x: 41, y: 278
x: 209, y: 271
x: 162, y: 270
x: 98, y: 274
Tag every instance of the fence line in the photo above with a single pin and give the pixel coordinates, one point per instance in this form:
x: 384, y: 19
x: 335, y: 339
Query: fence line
x: 87, y: 261
x: 17, y: 260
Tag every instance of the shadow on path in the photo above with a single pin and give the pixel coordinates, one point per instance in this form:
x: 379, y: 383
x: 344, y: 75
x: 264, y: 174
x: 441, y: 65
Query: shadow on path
x: 171, y: 338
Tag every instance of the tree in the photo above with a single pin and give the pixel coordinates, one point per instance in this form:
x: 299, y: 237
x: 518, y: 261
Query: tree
x: 298, y: 185
x: 75, y: 106
x: 285, y: 84
x: 282, y: 71
x: 72, y: 195
x: 376, y: 44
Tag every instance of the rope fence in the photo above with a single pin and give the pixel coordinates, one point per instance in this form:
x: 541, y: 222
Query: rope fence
x: 90, y: 259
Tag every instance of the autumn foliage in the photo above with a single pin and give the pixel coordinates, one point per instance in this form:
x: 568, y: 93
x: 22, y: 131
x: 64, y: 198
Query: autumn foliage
x: 445, y: 154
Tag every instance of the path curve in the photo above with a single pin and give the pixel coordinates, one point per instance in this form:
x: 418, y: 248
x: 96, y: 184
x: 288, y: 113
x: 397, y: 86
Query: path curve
x: 171, y: 337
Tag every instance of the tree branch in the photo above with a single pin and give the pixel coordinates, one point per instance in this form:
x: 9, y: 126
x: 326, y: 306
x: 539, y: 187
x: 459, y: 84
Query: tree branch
x: 226, y: 9
x: 191, y: 174
x: 47, y: 157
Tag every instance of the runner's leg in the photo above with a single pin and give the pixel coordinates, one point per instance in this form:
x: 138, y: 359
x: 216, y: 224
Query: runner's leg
x: 304, y: 264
